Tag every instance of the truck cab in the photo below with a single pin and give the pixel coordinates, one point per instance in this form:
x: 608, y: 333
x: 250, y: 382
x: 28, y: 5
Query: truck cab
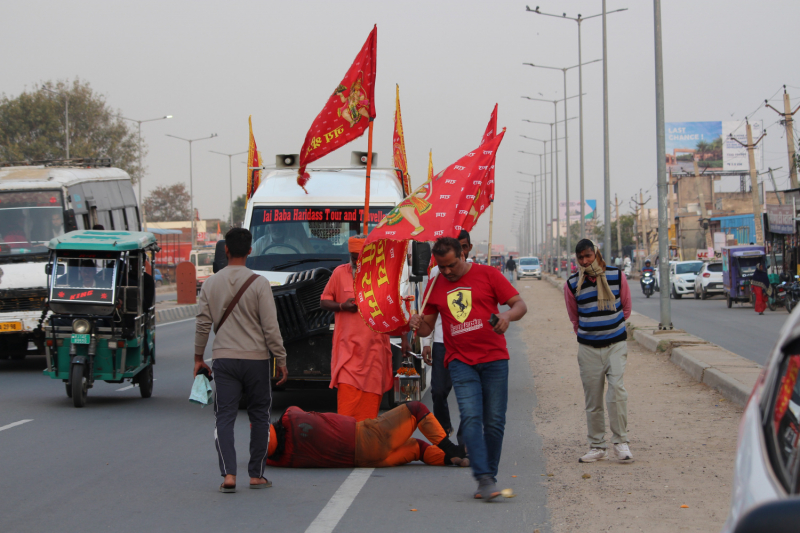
x: 299, y: 239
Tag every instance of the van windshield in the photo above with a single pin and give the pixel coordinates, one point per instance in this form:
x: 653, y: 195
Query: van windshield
x: 300, y: 238
x: 28, y: 220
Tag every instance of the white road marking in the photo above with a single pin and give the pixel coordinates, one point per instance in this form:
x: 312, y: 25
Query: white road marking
x: 14, y: 424
x: 176, y: 322
x: 125, y: 388
x: 327, y: 519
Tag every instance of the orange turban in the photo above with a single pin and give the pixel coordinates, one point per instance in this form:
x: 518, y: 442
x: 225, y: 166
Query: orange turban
x: 356, y: 244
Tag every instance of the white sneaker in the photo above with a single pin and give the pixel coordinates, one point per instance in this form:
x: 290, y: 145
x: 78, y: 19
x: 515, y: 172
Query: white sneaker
x: 595, y: 454
x: 623, y: 453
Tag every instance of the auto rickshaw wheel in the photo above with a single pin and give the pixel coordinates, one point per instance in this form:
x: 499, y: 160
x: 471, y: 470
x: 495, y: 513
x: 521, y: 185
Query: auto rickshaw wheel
x: 80, y: 387
x: 146, y: 382
x: 68, y: 386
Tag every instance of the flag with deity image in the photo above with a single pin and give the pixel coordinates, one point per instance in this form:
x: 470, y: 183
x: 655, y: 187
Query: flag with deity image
x: 440, y: 207
x: 347, y: 113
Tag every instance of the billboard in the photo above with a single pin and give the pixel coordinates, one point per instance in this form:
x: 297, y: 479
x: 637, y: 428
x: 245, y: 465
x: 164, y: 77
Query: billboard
x: 709, y: 145
x: 575, y: 210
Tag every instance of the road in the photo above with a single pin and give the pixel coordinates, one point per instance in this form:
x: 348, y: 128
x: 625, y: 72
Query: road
x: 738, y: 329
x: 126, y: 464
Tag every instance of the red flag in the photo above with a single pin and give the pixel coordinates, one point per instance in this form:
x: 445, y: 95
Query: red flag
x: 253, y: 160
x: 440, y: 207
x: 485, y: 195
x: 399, y: 148
x: 347, y: 113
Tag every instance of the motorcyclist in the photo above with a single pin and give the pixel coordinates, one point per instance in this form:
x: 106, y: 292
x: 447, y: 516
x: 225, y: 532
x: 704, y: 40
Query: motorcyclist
x: 647, y: 268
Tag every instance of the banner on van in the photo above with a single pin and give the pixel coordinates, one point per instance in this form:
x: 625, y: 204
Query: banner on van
x: 441, y: 207
x: 347, y: 113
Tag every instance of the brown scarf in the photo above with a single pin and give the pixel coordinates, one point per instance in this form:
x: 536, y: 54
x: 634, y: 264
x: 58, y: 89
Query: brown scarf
x: 597, y: 270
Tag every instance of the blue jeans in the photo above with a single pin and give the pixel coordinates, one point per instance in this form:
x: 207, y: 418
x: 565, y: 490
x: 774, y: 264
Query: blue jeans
x: 482, y: 393
x: 441, y: 385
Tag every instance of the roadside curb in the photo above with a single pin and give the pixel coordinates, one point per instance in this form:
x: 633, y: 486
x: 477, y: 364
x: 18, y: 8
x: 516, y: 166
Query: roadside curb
x: 730, y: 374
x: 173, y: 314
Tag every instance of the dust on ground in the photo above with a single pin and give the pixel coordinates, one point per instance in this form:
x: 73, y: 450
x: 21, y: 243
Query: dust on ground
x: 682, y: 436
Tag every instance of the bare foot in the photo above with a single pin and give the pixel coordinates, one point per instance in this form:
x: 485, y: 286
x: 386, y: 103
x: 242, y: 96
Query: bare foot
x: 259, y: 481
x: 230, y: 481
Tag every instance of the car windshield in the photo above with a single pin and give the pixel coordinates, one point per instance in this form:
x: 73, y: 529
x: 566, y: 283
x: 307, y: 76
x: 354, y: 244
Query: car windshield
x: 28, y: 220
x: 714, y: 267
x: 300, y: 238
x: 688, y: 268
x: 84, y: 280
x: 529, y: 261
x: 203, y: 259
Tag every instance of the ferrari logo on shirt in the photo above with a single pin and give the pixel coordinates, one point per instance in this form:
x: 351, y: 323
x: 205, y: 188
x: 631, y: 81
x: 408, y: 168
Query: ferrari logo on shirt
x: 460, y: 303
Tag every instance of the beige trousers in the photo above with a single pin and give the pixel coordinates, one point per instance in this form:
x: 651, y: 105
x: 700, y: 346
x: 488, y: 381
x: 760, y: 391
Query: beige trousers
x: 598, y: 365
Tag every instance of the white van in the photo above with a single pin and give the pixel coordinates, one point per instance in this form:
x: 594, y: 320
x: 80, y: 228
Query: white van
x: 299, y: 238
x: 37, y: 203
x: 203, y: 261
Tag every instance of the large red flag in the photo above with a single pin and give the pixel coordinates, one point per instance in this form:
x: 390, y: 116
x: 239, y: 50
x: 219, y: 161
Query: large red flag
x: 440, y: 207
x: 399, y: 148
x: 347, y: 113
x: 253, y: 161
x: 485, y: 195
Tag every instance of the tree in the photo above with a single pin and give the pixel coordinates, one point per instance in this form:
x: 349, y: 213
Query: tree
x: 32, y: 127
x: 626, y: 233
x: 239, y: 207
x: 168, y: 203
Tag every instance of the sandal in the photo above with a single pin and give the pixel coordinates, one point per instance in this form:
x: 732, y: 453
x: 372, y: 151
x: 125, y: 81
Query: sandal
x: 227, y: 489
x: 266, y: 485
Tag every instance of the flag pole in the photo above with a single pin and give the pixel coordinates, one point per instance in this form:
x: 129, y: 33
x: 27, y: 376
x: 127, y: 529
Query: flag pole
x: 491, y: 220
x: 369, y: 170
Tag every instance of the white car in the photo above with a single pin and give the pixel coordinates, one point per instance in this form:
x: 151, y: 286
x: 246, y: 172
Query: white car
x: 766, y: 478
x: 529, y: 267
x: 708, y: 281
x: 681, y: 277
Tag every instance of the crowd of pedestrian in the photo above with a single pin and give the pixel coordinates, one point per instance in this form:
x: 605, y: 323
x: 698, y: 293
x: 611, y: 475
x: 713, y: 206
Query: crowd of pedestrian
x: 463, y: 337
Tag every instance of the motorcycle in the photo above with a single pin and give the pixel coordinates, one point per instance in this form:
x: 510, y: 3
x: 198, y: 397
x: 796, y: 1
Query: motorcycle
x: 648, y: 284
x: 778, y: 296
x: 792, y: 295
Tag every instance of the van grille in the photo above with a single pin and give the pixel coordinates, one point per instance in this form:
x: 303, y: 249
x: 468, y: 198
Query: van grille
x: 22, y: 299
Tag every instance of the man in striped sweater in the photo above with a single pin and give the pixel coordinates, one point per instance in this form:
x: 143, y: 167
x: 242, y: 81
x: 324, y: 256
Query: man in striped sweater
x: 598, y: 303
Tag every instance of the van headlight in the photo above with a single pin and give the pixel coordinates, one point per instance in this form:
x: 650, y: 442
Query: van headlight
x: 81, y: 325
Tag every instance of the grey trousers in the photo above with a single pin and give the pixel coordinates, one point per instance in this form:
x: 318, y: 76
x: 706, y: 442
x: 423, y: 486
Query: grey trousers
x: 598, y: 365
x: 235, y: 377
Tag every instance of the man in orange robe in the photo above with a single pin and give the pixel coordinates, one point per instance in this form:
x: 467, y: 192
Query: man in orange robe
x: 361, y: 362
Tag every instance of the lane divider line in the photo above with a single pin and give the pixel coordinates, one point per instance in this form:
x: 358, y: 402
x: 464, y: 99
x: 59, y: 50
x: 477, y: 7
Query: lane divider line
x: 15, y: 424
x: 327, y: 519
x: 176, y: 322
x: 125, y: 388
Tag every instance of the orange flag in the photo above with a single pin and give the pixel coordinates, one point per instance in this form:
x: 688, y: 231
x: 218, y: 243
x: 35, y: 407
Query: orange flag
x: 399, y: 148
x: 253, y: 160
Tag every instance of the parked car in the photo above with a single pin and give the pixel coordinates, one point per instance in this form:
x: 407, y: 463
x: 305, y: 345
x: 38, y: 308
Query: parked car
x: 681, y: 277
x: 708, y: 281
x: 159, y: 279
x: 529, y: 267
x: 767, y: 465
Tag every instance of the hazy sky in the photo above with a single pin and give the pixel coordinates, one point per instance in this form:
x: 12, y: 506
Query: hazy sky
x: 211, y: 64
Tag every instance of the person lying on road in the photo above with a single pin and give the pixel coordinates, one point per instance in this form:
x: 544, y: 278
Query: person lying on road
x: 303, y: 439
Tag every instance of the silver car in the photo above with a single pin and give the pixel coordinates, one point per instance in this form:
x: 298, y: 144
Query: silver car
x: 529, y: 267
x: 766, y: 480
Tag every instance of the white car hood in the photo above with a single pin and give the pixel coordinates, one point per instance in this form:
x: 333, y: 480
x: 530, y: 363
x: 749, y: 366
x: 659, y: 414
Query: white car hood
x: 23, y: 276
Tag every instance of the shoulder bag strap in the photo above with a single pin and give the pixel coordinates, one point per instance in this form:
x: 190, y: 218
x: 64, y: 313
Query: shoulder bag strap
x: 232, y: 305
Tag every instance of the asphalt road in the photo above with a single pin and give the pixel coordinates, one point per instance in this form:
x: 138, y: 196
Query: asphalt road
x: 738, y: 329
x: 124, y: 463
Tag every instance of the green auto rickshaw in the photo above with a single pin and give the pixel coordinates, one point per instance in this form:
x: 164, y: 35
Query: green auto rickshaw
x: 102, y: 303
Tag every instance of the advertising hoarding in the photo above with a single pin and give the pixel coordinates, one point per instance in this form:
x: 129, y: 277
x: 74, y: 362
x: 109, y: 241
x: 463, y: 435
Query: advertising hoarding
x: 709, y: 145
x: 575, y: 210
x: 781, y: 219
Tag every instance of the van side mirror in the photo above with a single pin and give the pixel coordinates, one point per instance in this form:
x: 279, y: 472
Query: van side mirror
x: 220, y: 259
x: 70, y: 224
x: 48, y: 269
x: 420, y: 258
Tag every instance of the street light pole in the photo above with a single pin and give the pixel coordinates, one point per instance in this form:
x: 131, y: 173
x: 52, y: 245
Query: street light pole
x: 141, y: 168
x: 230, y: 180
x: 66, y: 115
x: 191, y: 182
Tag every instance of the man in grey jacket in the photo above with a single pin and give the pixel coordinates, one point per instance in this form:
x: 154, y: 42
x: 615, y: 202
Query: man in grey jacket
x: 241, y: 352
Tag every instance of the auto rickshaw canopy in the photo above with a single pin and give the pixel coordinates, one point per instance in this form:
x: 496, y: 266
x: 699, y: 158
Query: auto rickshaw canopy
x: 107, y: 241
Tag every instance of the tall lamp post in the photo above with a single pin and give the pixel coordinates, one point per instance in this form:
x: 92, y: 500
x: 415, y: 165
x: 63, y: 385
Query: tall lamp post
x: 141, y: 168
x: 607, y: 186
x: 566, y: 143
x: 546, y: 241
x: 230, y: 179
x: 191, y: 183
x: 66, y: 114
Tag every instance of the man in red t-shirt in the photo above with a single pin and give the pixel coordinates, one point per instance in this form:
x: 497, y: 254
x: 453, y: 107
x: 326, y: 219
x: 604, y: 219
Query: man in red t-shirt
x: 467, y: 295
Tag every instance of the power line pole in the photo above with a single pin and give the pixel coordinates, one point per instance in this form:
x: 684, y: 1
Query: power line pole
x: 788, y: 122
x: 751, y: 155
x: 606, y: 157
x: 661, y: 177
x: 619, y: 230
x: 698, y: 180
x: 641, y: 228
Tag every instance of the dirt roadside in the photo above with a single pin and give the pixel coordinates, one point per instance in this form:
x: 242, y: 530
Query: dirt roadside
x: 682, y: 435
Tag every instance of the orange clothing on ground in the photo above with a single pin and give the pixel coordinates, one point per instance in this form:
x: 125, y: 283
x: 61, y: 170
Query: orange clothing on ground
x: 357, y: 403
x: 360, y: 357
x: 761, y: 299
